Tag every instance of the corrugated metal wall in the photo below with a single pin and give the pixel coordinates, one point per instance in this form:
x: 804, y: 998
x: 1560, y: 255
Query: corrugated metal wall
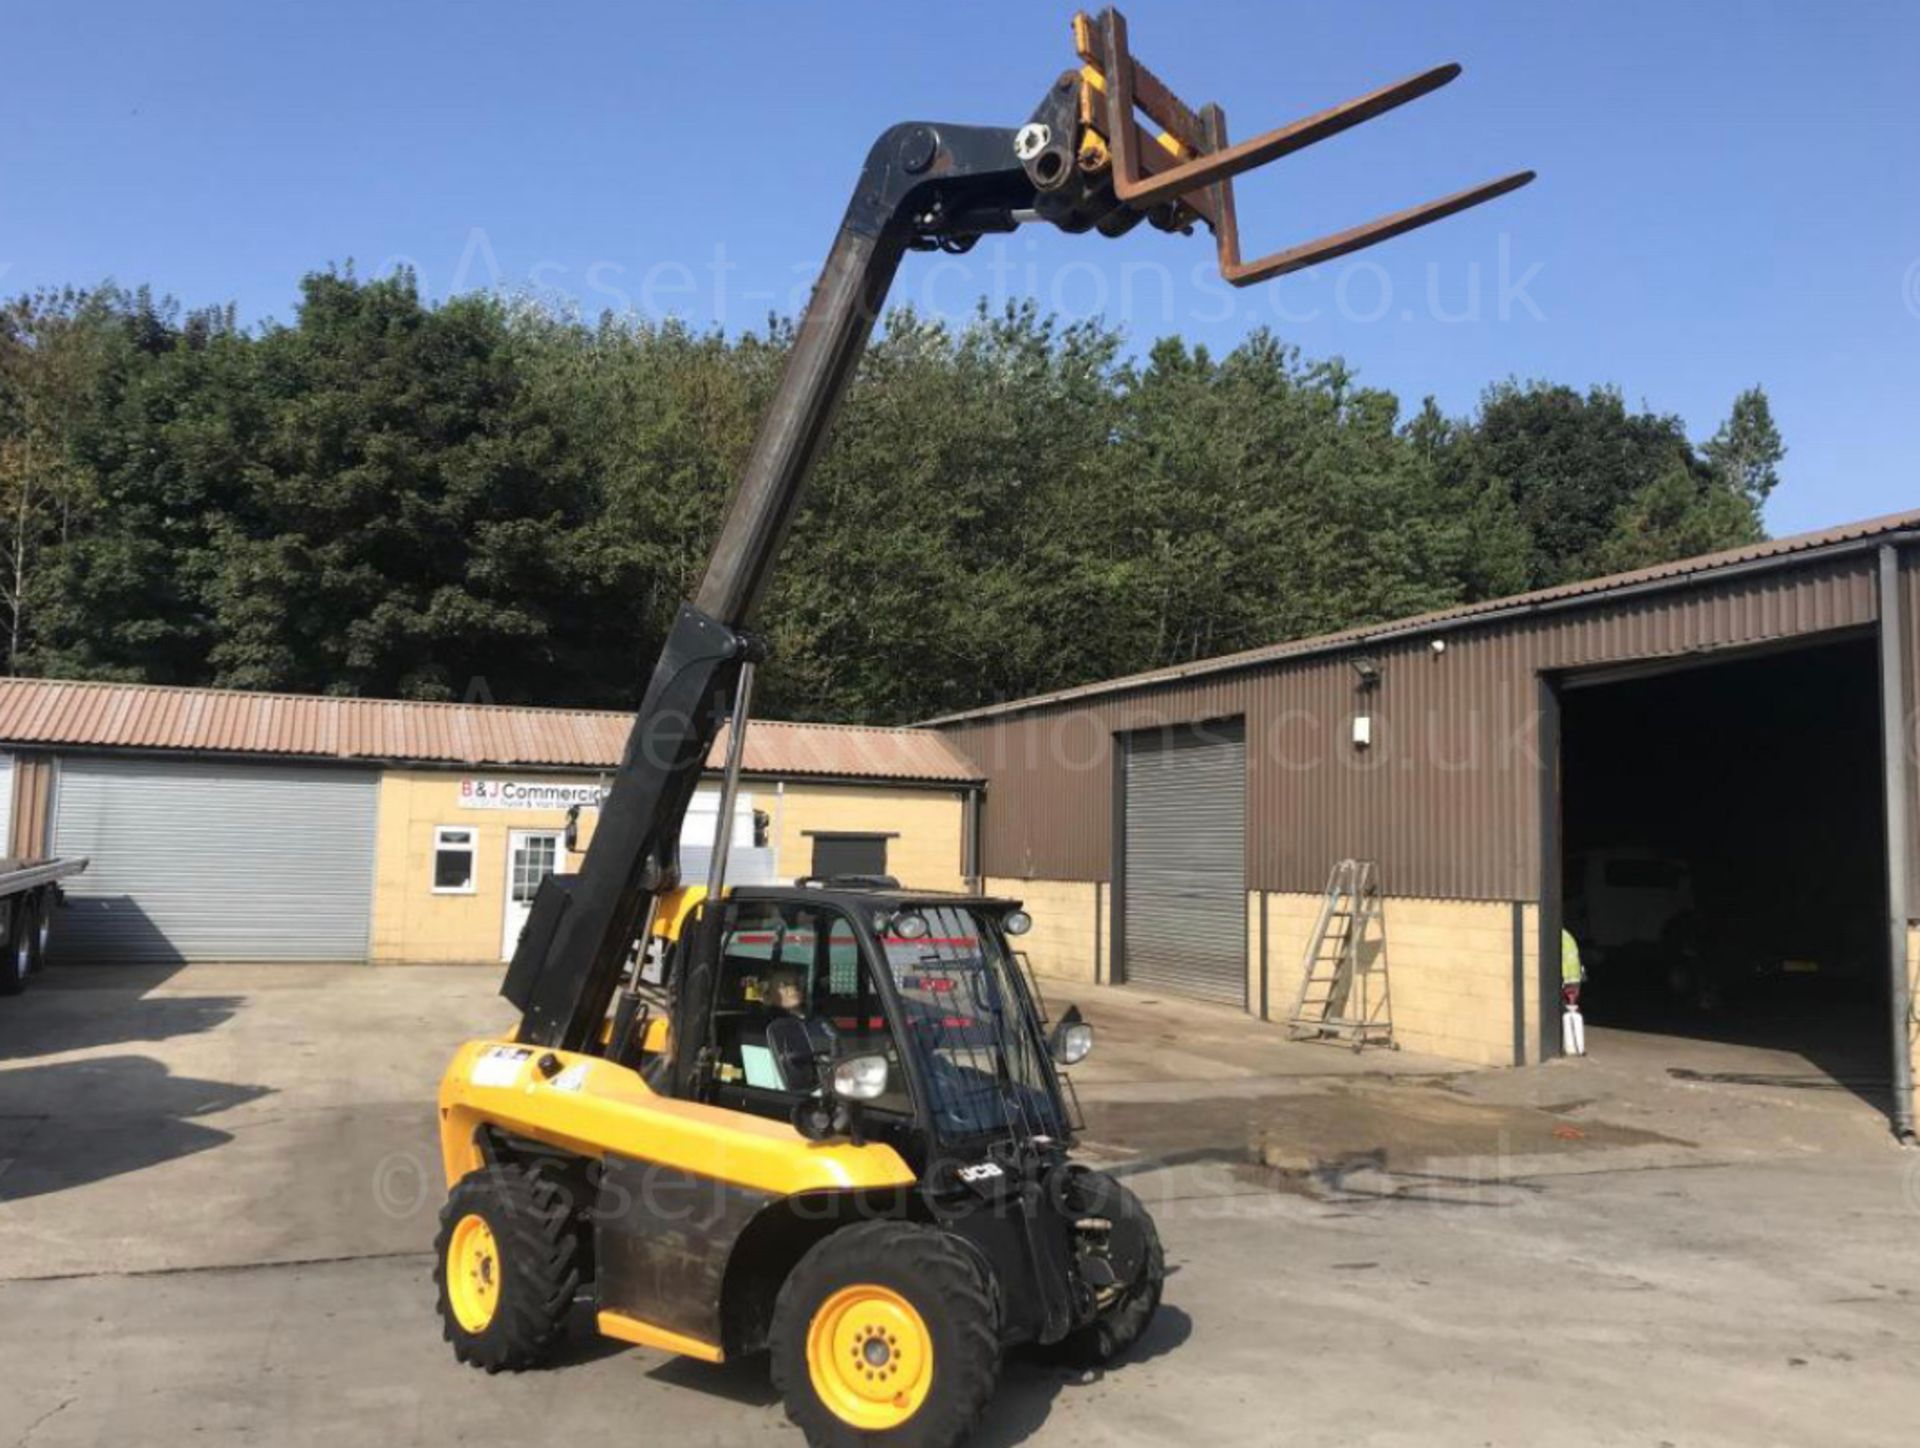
x: 1447, y: 798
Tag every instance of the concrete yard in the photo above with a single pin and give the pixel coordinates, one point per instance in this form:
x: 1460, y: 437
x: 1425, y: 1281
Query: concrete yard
x: 218, y: 1188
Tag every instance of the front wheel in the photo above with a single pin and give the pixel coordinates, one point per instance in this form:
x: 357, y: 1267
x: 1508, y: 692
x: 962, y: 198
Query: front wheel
x: 886, y: 1333
x: 506, y: 1267
x: 1114, y: 1229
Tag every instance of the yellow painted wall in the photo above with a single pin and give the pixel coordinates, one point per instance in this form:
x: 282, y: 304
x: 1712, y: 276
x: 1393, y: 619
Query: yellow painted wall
x: 928, y: 822
x: 1069, y: 917
x: 412, y: 925
x: 1449, y: 964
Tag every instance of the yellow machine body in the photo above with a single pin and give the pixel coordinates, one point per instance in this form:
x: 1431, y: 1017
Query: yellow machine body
x: 593, y: 1108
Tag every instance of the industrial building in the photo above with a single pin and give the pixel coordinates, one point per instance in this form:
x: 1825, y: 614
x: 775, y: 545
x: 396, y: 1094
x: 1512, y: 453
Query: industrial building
x: 1704, y: 768
x: 259, y: 827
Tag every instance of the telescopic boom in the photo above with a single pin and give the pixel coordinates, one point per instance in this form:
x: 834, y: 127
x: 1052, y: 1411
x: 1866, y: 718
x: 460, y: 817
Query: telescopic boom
x: 1082, y: 162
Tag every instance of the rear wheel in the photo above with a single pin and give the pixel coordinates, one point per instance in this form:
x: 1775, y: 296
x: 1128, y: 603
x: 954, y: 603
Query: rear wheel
x: 506, y: 1266
x: 886, y: 1333
x: 42, y: 931
x: 17, y: 964
x: 1114, y: 1228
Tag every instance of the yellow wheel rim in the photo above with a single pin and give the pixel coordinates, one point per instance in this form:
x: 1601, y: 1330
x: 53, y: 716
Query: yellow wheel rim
x: 870, y: 1357
x: 473, y: 1273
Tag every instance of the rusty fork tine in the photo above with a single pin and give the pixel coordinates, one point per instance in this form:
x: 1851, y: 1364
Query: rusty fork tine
x: 1343, y: 243
x: 1214, y: 166
x: 1188, y: 172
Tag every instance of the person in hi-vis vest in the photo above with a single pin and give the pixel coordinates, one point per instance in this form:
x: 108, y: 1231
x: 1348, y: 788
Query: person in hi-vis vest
x: 1573, y: 1028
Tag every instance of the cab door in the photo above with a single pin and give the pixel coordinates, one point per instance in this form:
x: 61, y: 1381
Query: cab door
x: 792, y: 995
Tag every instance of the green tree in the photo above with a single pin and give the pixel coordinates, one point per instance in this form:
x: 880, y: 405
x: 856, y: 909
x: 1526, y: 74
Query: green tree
x: 1678, y: 515
x: 1569, y: 462
x: 1745, y: 454
x: 482, y: 498
x: 52, y: 349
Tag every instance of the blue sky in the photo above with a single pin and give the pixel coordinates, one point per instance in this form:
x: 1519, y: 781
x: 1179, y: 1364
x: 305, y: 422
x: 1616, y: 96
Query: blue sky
x: 1727, y: 191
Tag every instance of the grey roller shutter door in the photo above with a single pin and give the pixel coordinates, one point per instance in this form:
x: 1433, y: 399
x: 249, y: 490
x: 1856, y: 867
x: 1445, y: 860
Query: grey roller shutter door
x: 1185, y: 897
x: 202, y: 861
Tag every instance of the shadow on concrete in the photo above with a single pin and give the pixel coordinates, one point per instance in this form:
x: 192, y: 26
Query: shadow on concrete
x: 90, y: 927
x: 92, y: 973
x: 1844, y: 1043
x: 70, y: 1123
x: 583, y: 1342
x: 743, y: 1380
x: 1029, y: 1385
x: 49, y: 1026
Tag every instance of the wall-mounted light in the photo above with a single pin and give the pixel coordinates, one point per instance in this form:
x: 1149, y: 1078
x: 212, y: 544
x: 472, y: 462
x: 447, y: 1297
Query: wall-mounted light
x: 1439, y: 646
x: 1368, y: 672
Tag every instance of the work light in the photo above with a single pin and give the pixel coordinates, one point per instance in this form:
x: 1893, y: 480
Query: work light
x: 860, y: 1078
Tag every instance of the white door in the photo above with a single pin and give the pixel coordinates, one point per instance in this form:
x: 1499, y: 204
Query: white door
x: 532, y: 855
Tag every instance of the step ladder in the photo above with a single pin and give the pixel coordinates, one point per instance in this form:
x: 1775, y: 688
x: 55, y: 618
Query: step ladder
x: 1344, y: 993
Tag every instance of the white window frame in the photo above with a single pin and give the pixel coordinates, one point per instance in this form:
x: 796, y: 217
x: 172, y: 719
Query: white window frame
x: 472, y: 844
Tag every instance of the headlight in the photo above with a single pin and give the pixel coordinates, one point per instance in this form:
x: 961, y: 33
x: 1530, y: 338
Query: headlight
x: 1018, y: 922
x: 910, y: 926
x: 860, y: 1078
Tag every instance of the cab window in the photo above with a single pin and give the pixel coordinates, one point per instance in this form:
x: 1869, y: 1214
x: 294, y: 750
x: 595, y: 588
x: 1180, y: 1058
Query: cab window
x: 793, y: 996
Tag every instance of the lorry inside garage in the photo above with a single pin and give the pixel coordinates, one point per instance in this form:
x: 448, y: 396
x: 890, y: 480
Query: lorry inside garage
x: 1724, y: 867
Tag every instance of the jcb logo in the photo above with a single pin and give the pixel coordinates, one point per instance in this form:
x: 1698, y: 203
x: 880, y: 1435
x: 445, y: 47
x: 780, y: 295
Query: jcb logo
x: 986, y: 1171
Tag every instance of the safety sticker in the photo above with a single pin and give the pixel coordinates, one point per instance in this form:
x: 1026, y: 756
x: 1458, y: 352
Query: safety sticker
x: 499, y: 1065
x: 571, y: 1079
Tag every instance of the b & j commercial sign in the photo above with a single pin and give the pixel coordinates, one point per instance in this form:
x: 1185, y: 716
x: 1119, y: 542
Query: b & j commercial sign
x: 528, y: 794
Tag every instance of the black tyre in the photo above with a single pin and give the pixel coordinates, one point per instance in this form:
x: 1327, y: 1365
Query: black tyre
x: 41, y: 921
x: 1113, y: 1226
x: 506, y: 1265
x: 16, y: 963
x: 886, y: 1332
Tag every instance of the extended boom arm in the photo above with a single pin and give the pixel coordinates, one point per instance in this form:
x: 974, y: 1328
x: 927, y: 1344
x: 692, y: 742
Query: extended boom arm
x: 1081, y: 163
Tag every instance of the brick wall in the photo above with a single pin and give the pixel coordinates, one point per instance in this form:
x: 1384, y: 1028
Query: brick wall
x: 1070, y: 926
x: 1450, y: 964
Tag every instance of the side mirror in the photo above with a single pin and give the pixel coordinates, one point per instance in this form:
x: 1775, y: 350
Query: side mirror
x: 1072, y: 1039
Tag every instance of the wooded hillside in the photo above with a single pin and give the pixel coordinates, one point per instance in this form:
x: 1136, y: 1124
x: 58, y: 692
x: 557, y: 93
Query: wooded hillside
x: 481, y: 500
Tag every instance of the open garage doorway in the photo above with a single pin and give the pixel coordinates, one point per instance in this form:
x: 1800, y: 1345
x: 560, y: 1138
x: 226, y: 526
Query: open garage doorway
x: 1723, y: 864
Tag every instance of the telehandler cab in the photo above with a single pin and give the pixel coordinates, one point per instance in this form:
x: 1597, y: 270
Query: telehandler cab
x: 827, y: 1120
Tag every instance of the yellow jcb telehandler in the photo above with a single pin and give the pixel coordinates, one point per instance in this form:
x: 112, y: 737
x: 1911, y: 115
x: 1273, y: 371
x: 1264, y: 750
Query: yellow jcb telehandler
x: 827, y: 1120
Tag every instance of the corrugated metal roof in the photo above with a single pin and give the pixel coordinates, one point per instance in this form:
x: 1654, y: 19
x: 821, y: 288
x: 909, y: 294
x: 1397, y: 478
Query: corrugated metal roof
x: 1681, y: 571
x: 79, y: 714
